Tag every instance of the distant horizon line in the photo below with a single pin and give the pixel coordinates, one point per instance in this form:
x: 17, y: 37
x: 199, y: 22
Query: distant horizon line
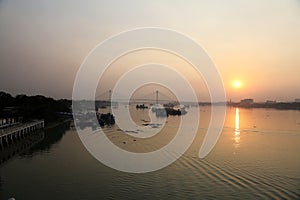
x: 297, y: 100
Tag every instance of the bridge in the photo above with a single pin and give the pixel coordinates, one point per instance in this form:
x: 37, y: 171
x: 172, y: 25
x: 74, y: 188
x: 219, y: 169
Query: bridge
x: 151, y: 98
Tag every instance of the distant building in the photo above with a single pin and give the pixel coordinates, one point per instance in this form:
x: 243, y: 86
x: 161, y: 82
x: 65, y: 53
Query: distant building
x: 297, y: 100
x: 246, y: 102
x: 270, y: 102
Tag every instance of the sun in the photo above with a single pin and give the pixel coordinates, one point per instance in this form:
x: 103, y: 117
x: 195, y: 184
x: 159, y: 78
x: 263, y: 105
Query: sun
x: 237, y: 84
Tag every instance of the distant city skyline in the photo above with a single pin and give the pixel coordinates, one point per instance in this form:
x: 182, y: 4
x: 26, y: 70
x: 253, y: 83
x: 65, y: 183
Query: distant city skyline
x: 254, y: 44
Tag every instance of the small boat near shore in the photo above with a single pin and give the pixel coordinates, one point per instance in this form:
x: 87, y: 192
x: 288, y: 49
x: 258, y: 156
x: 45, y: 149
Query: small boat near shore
x: 142, y: 106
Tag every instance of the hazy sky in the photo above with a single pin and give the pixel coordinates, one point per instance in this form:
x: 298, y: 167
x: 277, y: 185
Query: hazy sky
x: 43, y: 43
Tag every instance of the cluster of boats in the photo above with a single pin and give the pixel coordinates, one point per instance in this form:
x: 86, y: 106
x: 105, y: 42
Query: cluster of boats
x: 108, y: 119
x: 142, y: 106
x: 165, y: 111
x: 86, y: 119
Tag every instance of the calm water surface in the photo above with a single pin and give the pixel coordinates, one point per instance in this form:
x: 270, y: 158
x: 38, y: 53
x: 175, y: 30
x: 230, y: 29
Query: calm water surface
x: 256, y: 157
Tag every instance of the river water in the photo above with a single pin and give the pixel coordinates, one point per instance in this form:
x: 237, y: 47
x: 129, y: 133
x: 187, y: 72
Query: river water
x: 256, y: 157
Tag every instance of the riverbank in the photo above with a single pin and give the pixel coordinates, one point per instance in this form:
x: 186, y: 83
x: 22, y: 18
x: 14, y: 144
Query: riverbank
x: 279, y: 105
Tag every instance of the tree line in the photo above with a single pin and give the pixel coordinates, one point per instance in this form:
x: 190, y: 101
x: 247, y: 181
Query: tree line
x: 33, y: 107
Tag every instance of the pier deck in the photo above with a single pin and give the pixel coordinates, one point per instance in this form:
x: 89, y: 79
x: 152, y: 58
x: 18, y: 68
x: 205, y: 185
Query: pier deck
x: 8, y: 135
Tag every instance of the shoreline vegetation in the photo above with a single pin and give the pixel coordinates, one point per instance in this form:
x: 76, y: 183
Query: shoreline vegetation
x: 27, y: 108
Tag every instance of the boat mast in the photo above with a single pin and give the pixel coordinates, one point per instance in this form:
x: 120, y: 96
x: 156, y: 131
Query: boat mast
x: 109, y: 95
x: 156, y: 96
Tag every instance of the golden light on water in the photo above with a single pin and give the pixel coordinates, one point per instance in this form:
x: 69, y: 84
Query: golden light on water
x: 237, y: 121
x: 237, y: 127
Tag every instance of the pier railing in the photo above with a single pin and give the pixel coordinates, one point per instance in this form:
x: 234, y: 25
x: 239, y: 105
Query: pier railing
x: 11, y: 134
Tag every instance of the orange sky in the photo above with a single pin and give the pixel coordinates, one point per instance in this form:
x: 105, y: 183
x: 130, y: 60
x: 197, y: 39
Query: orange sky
x: 257, y: 42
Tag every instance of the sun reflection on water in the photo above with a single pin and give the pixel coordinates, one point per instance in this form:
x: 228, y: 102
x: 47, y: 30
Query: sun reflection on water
x: 237, y: 128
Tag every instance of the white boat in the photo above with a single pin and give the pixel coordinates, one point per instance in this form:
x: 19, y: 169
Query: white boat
x: 156, y: 107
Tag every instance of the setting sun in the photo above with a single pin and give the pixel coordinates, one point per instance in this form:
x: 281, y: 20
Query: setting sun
x: 237, y: 84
